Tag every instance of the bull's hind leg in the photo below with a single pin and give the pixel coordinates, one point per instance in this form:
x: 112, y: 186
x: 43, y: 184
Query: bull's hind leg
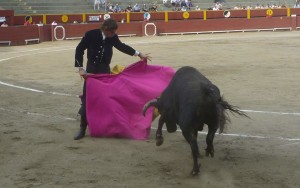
x: 209, y: 141
x: 159, y: 137
x: 191, y: 137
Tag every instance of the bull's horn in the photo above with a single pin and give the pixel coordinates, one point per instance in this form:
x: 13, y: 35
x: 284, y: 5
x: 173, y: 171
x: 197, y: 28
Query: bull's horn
x: 152, y: 102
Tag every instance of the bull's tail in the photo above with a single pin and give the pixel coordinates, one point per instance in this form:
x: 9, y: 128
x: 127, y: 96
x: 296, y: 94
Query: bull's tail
x: 223, y: 115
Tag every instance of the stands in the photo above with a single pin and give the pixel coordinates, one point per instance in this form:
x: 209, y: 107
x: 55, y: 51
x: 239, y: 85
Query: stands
x: 87, y: 6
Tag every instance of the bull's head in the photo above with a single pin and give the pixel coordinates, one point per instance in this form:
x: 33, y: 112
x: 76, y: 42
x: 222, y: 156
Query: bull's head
x: 166, y: 115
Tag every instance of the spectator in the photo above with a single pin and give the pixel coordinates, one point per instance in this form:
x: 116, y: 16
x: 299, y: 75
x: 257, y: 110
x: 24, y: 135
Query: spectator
x: 145, y: 9
x: 136, y: 8
x: 97, y: 4
x: 153, y: 8
x: 117, y: 8
x: 27, y: 23
x: 257, y: 6
x: 218, y: 6
x: 189, y: 4
x: 111, y: 9
x: 297, y: 5
x: 183, y: 4
x: 4, y: 24
x: 128, y: 9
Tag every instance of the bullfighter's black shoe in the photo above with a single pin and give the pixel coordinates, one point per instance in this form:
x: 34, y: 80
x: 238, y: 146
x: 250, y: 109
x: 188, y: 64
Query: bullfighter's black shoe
x: 82, y: 129
x: 79, y: 111
x: 80, y: 134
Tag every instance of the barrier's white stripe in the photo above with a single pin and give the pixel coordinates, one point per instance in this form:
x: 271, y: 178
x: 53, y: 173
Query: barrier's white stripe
x: 20, y: 87
x: 35, y: 90
x: 270, y: 112
x: 38, y: 49
x: 37, y: 114
x: 66, y: 94
x: 244, y: 135
x: 43, y: 52
x: 154, y: 128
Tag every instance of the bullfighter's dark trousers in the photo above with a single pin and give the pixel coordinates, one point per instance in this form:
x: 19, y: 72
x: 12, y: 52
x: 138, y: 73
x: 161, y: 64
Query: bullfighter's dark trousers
x: 83, y: 120
x: 103, y: 69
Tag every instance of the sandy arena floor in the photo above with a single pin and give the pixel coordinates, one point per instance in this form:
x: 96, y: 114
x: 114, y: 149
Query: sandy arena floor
x: 259, y: 72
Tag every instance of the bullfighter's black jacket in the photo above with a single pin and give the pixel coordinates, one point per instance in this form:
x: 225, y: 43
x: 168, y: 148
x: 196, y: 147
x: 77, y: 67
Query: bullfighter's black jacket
x: 99, y: 51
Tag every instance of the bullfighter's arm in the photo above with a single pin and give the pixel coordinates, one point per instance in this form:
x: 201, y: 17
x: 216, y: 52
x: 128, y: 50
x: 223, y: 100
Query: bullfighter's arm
x: 81, y: 47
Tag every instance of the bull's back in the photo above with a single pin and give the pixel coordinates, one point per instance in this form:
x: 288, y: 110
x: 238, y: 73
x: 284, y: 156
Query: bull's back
x: 186, y: 78
x: 188, y: 85
x: 188, y: 74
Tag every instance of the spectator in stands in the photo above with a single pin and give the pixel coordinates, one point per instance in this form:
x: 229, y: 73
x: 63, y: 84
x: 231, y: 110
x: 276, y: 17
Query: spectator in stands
x: 153, y: 8
x: 145, y: 9
x: 197, y: 8
x: 4, y: 24
x: 297, y: 5
x: 136, y: 8
x: 128, y: 8
x: 111, y: 9
x: 189, y: 4
x: 218, y: 6
x: 257, y: 6
x: 175, y: 3
x: 97, y: 4
x: 27, y: 21
x: 274, y: 5
x: 117, y: 8
x: 99, y: 44
x: 183, y: 3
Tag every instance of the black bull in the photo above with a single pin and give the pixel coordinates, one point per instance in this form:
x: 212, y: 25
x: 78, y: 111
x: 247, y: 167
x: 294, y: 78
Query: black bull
x: 191, y: 100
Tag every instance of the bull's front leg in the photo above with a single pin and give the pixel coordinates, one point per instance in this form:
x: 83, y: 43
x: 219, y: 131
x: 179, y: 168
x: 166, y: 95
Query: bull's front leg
x: 209, y: 141
x: 159, y: 137
x: 191, y: 137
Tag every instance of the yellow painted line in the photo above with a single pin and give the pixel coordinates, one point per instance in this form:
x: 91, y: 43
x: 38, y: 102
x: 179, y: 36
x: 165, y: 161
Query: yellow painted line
x: 128, y: 17
x: 166, y: 16
x: 83, y: 17
x: 288, y: 11
x: 44, y: 19
x: 248, y: 14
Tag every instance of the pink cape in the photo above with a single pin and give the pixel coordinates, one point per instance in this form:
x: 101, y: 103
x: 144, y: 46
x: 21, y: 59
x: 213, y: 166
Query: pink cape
x: 114, y: 103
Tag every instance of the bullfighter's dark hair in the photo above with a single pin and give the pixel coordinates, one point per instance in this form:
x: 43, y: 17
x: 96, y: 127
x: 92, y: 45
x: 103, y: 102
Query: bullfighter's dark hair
x: 109, y: 25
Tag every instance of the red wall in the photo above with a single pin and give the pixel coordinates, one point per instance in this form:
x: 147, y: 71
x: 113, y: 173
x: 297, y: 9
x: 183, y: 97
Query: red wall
x: 175, y: 23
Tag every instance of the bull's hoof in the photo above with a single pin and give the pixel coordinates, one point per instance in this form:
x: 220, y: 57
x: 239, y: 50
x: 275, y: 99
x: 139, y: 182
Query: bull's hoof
x: 196, y: 171
x: 159, y: 140
x: 211, y: 153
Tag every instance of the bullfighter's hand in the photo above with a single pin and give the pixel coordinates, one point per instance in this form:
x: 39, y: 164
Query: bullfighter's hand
x: 145, y: 56
x: 82, y: 73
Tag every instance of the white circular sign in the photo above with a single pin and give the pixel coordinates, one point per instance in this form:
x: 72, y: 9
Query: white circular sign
x: 106, y: 16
